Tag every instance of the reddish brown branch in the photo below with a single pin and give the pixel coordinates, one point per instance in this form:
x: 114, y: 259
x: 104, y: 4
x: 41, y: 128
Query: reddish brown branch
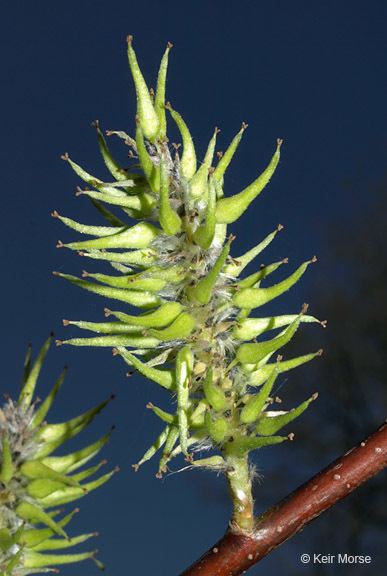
x: 237, y: 552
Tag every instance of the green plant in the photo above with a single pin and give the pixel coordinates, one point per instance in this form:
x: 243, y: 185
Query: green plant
x: 33, y: 482
x: 195, y: 337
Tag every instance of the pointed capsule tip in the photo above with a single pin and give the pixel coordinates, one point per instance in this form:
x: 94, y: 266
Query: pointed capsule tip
x: 95, y: 124
x: 314, y: 259
x: 55, y: 214
x: 279, y: 227
x: 304, y: 308
x: 291, y: 436
x: 60, y: 244
x: 314, y: 397
x: 65, y: 322
x: 279, y: 142
x: 169, y: 45
x: 129, y: 39
x: 65, y: 156
x: 136, y: 467
x: 244, y: 126
x: 58, y: 342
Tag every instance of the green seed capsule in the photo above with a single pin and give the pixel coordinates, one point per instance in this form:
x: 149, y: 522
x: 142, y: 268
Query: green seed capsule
x: 255, y: 297
x: 138, y: 236
x: 213, y: 393
x: 251, y: 411
x: 227, y: 156
x: 159, y: 105
x: 134, y: 297
x: 203, y: 290
x: 252, y: 327
x: 184, y: 367
x: 254, y: 353
x: 159, y: 442
x: 163, y: 316
x: 229, y: 209
x: 270, y: 425
x: 169, y: 219
x: 198, y: 184
x: 30, y: 377
x: 239, y: 264
x: 114, y: 169
x: 151, y: 171
x: 257, y: 377
x: 255, y: 279
x: 243, y: 444
x: 7, y: 467
x: 188, y: 158
x: 204, y: 234
x: 145, y: 109
x: 166, y: 378
x: 31, y: 512
x: 218, y: 428
x: 180, y: 329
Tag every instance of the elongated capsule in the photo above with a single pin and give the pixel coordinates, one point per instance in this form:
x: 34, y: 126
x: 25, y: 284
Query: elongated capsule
x: 166, y: 378
x: 139, y: 258
x: 165, y: 416
x: 198, y: 183
x: 163, y: 316
x: 92, y: 230
x: 239, y: 264
x: 114, y: 169
x: 59, y: 544
x: 204, y: 234
x: 138, y: 236
x: 137, y: 206
x: 53, y: 435
x: 35, y: 560
x: 243, y: 444
x: 105, y: 327
x: 180, y: 329
x: 135, y: 297
x: 70, y: 493
x: 258, y: 377
x: 203, y: 290
x: 132, y: 340
x: 217, y: 428
x: 34, y: 469
x: 254, y: 353
x: 213, y: 462
x: 188, y: 158
x: 170, y: 221
x: 184, y: 367
x: 173, y: 435
x: 152, y: 172
x: 250, y: 328
x: 109, y: 216
x: 30, y: 377
x: 227, y: 156
x: 229, y: 209
x: 35, y: 536
x: 159, y: 442
x: 255, y: 297
x: 73, y: 461
x: 159, y: 103
x: 130, y: 282
x: 251, y: 411
x: 145, y: 109
x: 7, y: 467
x: 269, y: 425
x: 254, y: 280
x: 212, y: 392
x: 29, y: 511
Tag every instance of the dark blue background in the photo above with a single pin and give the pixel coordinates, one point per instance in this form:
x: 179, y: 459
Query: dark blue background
x: 310, y: 73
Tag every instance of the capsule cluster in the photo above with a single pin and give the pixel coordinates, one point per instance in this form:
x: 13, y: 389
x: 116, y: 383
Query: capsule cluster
x: 34, y: 484
x: 194, y: 336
